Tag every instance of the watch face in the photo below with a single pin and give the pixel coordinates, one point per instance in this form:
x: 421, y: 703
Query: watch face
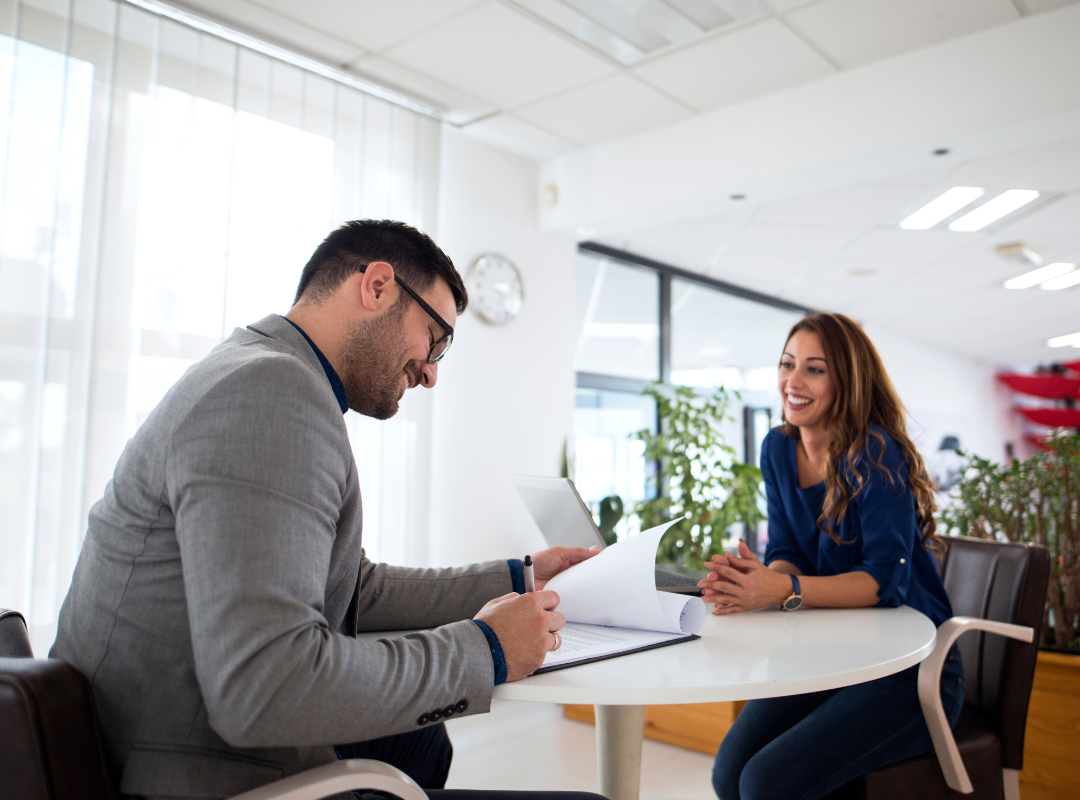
x: 792, y: 603
x: 495, y: 289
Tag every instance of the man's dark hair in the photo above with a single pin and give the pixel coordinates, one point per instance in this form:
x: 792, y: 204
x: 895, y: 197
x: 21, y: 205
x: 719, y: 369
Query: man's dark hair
x: 416, y: 259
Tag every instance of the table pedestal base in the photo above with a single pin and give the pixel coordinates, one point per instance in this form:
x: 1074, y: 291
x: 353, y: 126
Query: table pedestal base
x: 619, y: 732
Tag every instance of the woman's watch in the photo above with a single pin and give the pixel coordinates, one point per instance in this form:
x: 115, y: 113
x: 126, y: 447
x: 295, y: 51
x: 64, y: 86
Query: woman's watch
x: 795, y: 600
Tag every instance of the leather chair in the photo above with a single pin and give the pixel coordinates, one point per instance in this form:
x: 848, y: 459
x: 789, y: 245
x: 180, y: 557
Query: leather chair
x: 51, y: 746
x: 994, y: 587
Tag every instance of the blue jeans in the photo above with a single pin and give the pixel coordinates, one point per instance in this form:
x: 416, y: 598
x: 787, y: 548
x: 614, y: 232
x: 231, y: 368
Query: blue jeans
x: 802, y: 747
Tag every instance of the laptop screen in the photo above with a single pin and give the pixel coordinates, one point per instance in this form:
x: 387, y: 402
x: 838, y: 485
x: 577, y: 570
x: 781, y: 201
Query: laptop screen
x: 558, y: 511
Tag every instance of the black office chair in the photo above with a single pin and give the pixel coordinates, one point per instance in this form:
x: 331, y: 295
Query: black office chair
x: 994, y: 587
x: 51, y: 747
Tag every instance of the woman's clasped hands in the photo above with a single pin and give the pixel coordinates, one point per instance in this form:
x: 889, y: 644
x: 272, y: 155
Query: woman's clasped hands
x: 742, y: 583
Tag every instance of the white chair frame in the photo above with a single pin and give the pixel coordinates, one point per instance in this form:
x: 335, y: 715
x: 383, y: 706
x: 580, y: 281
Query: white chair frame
x: 952, y: 766
x: 341, y: 776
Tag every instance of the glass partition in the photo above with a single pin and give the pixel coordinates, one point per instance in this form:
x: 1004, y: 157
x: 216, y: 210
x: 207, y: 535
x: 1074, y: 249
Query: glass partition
x: 618, y: 319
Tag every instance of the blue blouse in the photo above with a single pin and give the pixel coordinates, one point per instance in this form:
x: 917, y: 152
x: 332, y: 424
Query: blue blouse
x: 880, y: 523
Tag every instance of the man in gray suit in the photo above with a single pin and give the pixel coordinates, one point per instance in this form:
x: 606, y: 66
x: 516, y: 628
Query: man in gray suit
x: 222, y: 581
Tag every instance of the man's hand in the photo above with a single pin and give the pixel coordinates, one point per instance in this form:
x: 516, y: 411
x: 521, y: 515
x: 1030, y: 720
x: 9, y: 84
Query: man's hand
x: 742, y: 583
x: 549, y: 563
x: 524, y: 624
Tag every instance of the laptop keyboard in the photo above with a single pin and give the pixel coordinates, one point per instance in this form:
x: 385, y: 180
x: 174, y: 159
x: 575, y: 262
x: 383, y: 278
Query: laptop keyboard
x: 665, y: 578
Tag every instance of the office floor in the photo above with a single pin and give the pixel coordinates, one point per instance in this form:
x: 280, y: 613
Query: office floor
x: 531, y: 745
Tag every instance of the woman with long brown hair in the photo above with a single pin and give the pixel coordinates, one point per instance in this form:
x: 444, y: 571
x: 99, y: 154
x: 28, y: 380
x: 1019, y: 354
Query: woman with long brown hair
x: 851, y: 524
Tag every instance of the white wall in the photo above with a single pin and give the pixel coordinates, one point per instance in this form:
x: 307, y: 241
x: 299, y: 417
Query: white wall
x: 504, y: 399
x: 947, y: 394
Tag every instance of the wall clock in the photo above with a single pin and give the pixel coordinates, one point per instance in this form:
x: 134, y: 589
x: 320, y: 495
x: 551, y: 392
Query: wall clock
x: 495, y: 288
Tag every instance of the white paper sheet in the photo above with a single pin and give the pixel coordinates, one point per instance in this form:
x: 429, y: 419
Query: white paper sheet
x: 617, y: 588
x: 585, y: 642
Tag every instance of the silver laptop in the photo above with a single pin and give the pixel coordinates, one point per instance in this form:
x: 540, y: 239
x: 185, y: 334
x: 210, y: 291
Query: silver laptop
x: 565, y: 521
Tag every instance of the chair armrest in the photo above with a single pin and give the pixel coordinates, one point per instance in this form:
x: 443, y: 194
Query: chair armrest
x: 952, y: 766
x: 341, y: 776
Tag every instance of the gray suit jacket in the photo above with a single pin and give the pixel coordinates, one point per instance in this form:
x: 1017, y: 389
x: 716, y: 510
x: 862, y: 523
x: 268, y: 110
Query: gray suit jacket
x: 221, y: 584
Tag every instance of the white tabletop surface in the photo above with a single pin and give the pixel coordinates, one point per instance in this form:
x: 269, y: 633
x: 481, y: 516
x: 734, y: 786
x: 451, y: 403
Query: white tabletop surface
x: 766, y: 653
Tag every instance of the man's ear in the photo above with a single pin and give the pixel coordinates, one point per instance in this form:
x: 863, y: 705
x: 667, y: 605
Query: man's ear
x: 374, y: 286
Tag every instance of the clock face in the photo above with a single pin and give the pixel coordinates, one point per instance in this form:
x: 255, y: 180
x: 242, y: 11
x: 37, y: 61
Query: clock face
x: 495, y: 289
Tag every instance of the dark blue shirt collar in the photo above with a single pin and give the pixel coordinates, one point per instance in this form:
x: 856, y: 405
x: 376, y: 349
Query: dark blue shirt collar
x: 331, y: 374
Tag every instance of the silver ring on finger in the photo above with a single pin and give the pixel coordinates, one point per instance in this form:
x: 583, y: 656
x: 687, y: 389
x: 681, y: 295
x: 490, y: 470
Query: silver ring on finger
x: 558, y: 642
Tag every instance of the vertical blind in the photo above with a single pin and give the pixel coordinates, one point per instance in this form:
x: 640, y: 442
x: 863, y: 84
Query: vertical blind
x: 159, y: 187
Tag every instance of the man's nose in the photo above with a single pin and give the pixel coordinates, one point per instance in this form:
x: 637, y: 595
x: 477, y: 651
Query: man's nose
x: 429, y: 373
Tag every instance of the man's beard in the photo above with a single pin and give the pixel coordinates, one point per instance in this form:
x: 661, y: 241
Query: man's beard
x: 373, y: 361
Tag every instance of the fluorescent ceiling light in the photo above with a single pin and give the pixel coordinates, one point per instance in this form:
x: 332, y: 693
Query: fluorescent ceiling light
x: 944, y: 206
x: 624, y: 25
x: 702, y: 13
x: 623, y: 330
x: 993, y: 210
x: 1037, y: 276
x: 1062, y: 281
x: 1070, y: 340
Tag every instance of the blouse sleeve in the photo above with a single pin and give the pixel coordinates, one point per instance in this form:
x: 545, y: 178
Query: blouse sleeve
x: 886, y: 512
x: 782, y: 544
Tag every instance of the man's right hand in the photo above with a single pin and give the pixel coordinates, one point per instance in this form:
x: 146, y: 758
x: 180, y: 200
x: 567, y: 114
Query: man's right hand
x: 525, y: 624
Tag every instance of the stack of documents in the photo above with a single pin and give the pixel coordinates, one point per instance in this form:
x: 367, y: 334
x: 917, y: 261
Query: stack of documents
x: 612, y: 606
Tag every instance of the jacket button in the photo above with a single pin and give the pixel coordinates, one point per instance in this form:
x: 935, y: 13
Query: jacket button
x: 424, y: 720
x: 461, y: 706
x: 448, y: 712
x: 435, y: 715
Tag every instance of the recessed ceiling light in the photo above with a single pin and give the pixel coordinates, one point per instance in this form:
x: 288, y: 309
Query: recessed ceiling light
x: 1062, y: 281
x: 1037, y: 276
x: 993, y: 210
x: 1069, y: 340
x: 940, y: 208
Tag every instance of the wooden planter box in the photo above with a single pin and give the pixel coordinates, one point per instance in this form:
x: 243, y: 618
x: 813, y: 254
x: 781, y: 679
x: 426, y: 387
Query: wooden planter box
x: 1051, y: 746
x: 1052, y: 740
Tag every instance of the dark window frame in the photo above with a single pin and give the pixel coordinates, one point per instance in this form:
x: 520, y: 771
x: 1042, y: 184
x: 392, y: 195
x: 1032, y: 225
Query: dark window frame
x: 665, y: 273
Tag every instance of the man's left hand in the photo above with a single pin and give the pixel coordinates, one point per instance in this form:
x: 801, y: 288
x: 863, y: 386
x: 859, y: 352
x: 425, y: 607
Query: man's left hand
x: 549, y: 563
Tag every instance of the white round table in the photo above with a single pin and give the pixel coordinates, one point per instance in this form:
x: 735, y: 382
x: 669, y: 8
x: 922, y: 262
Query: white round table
x: 766, y: 653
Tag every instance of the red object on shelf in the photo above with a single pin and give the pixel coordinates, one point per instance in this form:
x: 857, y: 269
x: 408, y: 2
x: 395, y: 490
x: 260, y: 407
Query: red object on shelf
x: 1053, y: 417
x: 1072, y: 365
x: 1054, y: 387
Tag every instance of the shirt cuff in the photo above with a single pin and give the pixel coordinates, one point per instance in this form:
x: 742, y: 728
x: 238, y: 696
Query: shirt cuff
x: 517, y: 575
x: 497, y: 657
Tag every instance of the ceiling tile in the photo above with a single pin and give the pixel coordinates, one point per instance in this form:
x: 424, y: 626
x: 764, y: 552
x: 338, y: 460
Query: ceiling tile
x: 751, y: 61
x: 795, y: 241
x: 372, y: 24
x: 896, y: 244
x: 500, y: 56
x: 458, y: 107
x: 606, y: 110
x: 856, y: 32
x: 1039, y: 6
x: 507, y: 132
x: 780, y: 277
x: 1050, y: 168
x: 300, y: 35
x: 690, y: 245
x: 861, y: 204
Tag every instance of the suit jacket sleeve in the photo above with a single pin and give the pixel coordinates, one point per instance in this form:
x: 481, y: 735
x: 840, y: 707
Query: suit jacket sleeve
x: 256, y: 477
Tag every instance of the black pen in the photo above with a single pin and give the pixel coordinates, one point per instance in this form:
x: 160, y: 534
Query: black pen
x: 527, y: 566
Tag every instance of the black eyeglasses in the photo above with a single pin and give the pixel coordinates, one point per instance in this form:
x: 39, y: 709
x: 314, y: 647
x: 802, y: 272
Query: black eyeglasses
x: 442, y: 344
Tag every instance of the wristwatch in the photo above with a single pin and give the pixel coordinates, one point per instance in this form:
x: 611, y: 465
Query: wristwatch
x: 795, y: 600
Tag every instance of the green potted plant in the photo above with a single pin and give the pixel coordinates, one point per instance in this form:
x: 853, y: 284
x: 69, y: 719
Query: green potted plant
x: 1037, y: 500
x: 705, y: 486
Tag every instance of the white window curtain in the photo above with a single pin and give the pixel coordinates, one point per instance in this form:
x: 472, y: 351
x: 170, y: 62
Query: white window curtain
x: 159, y: 187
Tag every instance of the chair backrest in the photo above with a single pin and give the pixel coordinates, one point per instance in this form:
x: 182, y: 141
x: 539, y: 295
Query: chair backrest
x: 50, y: 740
x: 14, y: 639
x: 1005, y: 582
